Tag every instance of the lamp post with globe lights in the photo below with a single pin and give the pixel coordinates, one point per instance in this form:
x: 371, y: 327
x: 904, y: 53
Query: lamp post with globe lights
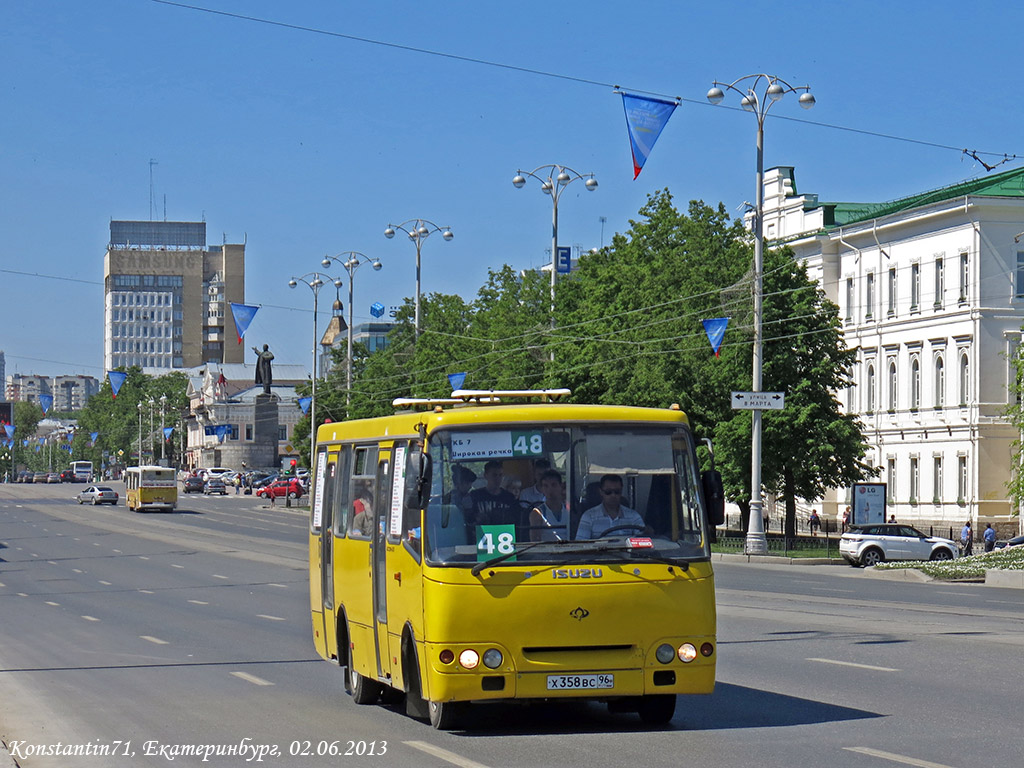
x: 757, y: 95
x: 553, y: 180
x: 314, y: 281
x: 418, y: 230
x: 352, y: 261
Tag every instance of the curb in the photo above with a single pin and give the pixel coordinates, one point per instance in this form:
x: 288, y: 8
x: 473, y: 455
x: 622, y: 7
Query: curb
x: 775, y: 559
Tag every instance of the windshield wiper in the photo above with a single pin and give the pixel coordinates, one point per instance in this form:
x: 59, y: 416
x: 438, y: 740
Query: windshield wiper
x: 502, y: 558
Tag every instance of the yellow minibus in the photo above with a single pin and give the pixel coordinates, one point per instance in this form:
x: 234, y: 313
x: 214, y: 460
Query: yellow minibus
x: 508, y: 546
x: 150, y: 488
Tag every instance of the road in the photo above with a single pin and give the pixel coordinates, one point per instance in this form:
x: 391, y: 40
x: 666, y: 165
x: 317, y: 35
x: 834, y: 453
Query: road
x: 167, y: 630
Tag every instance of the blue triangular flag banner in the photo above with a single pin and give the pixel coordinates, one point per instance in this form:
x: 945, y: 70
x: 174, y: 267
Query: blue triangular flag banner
x: 46, y: 402
x: 93, y: 436
x: 9, y: 429
x: 715, y: 329
x: 304, y: 403
x: 645, y: 120
x: 116, y: 378
x: 243, y: 314
x: 168, y: 431
x: 456, y: 380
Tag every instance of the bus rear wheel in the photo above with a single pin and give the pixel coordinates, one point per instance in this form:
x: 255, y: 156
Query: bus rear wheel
x: 446, y: 715
x: 363, y: 691
x: 657, y: 709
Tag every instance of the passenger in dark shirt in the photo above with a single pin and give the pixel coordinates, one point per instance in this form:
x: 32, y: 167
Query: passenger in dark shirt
x: 492, y: 504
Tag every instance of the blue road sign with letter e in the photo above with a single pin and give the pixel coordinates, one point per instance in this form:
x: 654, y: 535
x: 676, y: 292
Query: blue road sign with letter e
x: 564, y: 261
x: 758, y: 401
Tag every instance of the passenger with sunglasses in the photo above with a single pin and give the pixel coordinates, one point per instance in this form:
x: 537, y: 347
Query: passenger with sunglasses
x: 610, y: 513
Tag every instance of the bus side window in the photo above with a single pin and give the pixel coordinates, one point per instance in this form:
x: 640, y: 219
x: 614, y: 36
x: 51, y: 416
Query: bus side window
x: 362, y: 491
x: 341, y: 489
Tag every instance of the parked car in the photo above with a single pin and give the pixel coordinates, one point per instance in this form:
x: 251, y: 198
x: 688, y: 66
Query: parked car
x: 67, y: 476
x: 97, y: 494
x: 40, y: 477
x: 291, y: 488
x: 264, y: 480
x: 53, y: 477
x: 867, y: 545
x: 1016, y: 541
x: 216, y: 472
x: 215, y: 485
x: 193, y: 484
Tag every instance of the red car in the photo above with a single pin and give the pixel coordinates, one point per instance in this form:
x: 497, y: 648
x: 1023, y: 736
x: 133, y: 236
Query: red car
x: 291, y: 488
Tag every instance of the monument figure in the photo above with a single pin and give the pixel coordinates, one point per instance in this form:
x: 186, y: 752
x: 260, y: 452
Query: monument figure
x: 264, y: 372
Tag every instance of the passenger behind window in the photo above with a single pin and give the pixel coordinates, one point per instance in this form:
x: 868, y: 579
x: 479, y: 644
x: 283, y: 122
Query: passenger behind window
x: 362, y: 509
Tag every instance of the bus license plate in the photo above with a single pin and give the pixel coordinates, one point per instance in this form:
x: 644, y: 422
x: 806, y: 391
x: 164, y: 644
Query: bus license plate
x: 579, y: 682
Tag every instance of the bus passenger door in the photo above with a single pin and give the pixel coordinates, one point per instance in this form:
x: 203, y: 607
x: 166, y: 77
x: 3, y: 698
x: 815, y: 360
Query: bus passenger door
x: 317, y: 573
x: 327, y: 556
x: 382, y: 506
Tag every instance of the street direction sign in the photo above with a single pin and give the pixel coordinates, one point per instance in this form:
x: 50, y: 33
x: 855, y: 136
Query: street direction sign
x: 758, y: 401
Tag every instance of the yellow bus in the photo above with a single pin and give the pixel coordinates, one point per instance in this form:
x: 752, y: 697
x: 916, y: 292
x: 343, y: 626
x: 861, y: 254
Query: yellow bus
x: 150, y: 488
x: 452, y: 595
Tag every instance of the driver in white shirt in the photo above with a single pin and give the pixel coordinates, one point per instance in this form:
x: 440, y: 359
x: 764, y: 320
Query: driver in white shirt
x: 610, y: 513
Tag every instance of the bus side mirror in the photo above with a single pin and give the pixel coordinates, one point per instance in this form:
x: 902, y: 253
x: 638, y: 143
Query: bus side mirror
x: 714, y: 496
x: 418, y: 481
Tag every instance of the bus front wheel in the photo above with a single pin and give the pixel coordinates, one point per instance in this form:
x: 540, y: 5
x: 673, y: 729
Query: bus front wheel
x: 446, y: 715
x: 363, y: 691
x: 657, y: 709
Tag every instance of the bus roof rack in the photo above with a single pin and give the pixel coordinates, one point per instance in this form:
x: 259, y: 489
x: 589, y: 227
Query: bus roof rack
x: 425, y: 402
x: 497, y: 395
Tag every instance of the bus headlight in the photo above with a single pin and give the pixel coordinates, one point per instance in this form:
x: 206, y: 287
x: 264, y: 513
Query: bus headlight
x: 687, y: 653
x: 469, y: 659
x: 665, y: 653
x: 492, y: 658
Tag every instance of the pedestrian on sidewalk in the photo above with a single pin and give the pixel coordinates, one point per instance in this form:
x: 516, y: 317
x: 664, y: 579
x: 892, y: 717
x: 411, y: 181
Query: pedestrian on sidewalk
x: 967, y: 539
x: 990, y: 537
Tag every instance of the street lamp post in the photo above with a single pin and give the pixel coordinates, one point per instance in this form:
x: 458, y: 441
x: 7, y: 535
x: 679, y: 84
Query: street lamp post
x: 314, y: 281
x: 140, y: 433
x: 758, y: 93
x: 163, y: 437
x: 553, y: 181
x: 152, y: 451
x: 352, y: 262
x: 418, y: 230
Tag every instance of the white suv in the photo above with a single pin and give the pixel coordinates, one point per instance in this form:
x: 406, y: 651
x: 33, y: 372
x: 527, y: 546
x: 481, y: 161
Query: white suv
x: 868, y: 545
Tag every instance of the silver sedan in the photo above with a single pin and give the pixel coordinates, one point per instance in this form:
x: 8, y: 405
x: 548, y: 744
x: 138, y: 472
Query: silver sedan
x: 97, y: 494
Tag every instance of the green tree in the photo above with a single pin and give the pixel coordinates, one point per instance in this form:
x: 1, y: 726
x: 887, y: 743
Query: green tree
x: 1014, y: 413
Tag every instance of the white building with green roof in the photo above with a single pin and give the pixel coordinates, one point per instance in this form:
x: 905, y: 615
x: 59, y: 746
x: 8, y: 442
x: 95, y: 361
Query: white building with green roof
x: 931, y: 291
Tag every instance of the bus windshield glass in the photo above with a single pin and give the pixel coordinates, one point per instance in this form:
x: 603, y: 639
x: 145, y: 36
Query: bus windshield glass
x: 562, y: 494
x: 157, y: 478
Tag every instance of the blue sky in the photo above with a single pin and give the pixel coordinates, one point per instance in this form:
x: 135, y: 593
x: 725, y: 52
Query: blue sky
x: 306, y: 144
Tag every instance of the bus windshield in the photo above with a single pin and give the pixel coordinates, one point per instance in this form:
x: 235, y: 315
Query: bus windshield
x: 560, y: 494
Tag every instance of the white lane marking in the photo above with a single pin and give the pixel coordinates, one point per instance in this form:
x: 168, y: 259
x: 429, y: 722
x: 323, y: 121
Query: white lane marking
x: 143, y: 557
x: 146, y: 591
x: 279, y: 586
x: 1004, y: 602
x: 77, y: 570
x: 50, y: 602
x: 251, y: 678
x: 2, y: 584
x: 23, y: 594
x: 90, y: 618
x: 960, y: 594
x: 444, y: 754
x: 218, y: 576
x: 105, y: 583
x: 118, y: 551
x: 896, y: 758
x: 175, y: 565
x: 95, y: 543
x: 854, y: 664
x: 51, y: 562
x: 831, y: 589
x: 154, y: 640
x: 270, y: 618
x: 198, y: 602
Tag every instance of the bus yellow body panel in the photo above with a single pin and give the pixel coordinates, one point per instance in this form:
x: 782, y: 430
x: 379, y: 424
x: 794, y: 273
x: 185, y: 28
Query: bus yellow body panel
x: 584, y: 619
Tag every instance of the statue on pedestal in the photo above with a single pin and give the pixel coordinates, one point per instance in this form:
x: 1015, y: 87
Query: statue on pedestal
x: 264, y: 372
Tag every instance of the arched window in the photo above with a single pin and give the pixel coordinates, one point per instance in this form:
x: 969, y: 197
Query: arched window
x: 892, y: 385
x: 915, y: 384
x: 965, y: 380
x: 869, y: 395
x: 940, y: 382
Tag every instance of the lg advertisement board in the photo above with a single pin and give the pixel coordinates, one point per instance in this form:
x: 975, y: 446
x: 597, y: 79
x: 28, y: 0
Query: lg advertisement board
x: 868, y: 503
